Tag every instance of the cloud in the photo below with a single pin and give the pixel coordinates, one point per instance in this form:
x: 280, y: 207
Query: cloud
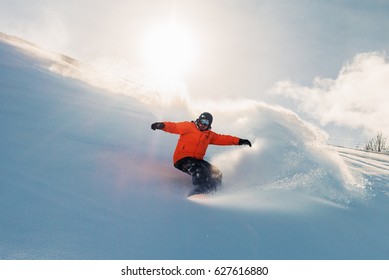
x: 357, y: 98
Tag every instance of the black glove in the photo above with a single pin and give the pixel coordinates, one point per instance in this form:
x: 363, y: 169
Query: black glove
x: 157, y: 125
x: 244, y: 142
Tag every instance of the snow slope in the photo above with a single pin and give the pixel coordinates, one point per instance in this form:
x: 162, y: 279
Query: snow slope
x: 84, y: 177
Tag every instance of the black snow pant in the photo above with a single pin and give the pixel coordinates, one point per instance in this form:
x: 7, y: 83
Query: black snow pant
x: 204, y: 174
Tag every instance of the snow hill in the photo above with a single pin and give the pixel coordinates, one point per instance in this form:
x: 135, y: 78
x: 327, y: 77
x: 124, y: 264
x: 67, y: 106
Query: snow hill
x: 84, y: 177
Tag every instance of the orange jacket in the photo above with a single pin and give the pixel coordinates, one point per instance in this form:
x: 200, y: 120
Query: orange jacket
x: 194, y: 142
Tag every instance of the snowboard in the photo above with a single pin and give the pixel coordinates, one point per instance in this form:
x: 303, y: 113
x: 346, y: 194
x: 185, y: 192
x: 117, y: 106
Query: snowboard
x: 202, y: 191
x: 197, y: 196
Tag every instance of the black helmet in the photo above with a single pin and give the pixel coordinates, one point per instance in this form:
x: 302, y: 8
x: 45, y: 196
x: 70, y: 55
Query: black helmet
x: 205, y: 119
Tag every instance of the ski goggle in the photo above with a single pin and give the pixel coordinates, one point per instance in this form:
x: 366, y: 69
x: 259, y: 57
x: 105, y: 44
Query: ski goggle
x: 204, y: 122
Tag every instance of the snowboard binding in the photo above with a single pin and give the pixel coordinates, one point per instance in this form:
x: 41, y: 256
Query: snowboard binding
x: 206, y: 178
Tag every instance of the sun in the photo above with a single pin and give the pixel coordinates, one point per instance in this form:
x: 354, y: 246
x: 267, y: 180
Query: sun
x: 170, y: 50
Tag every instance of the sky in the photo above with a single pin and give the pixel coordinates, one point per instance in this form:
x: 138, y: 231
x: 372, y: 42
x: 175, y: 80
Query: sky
x: 326, y: 60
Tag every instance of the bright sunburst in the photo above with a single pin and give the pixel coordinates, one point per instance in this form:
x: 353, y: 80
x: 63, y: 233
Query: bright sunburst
x: 170, y: 50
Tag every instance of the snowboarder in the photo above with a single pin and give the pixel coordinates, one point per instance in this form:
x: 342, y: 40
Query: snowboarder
x: 195, y: 136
